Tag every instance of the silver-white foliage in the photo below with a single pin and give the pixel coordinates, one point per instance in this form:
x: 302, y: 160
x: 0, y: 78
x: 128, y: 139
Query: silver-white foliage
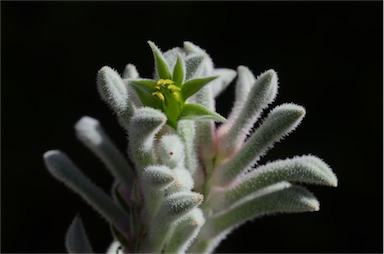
x: 112, y: 89
x: 76, y: 240
x: 184, y: 190
x: 63, y: 169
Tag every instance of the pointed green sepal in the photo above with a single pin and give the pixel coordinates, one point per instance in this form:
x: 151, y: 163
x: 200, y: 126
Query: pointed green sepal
x: 179, y: 72
x: 171, y: 56
x: 162, y: 68
x: 192, y: 86
x: 197, y: 112
x: 144, y: 89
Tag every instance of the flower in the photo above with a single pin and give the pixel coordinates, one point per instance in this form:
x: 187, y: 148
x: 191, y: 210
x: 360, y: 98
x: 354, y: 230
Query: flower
x: 172, y: 90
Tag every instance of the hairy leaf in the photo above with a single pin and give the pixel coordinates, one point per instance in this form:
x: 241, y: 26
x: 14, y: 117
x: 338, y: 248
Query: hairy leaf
x: 145, y: 124
x: 225, y: 77
x: 185, y: 232
x: 130, y: 72
x: 183, y: 181
x: 90, y: 132
x: 63, y: 169
x: 112, y: 89
x: 245, y: 81
x: 193, y: 64
x: 186, y: 130
x: 281, y: 121
x: 262, y: 93
x: 278, y: 198
x: 174, y: 207
x: 158, y: 177
x: 76, y: 239
x: 305, y: 169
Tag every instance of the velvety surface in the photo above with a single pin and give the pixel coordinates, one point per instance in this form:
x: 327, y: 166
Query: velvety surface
x: 328, y: 56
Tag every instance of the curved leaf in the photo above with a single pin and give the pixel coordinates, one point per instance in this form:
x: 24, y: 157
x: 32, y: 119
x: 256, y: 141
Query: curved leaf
x: 158, y: 177
x: 262, y: 93
x: 278, y: 198
x: 63, y: 169
x: 280, y: 122
x: 91, y: 134
x: 174, y: 207
x: 305, y: 169
x: 145, y: 124
x: 112, y: 90
x: 185, y: 232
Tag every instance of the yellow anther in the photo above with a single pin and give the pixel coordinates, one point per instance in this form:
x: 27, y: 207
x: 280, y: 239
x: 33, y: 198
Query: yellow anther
x: 164, y: 82
x: 168, y: 82
x: 159, y: 95
x: 173, y: 88
x: 156, y: 86
x: 176, y: 95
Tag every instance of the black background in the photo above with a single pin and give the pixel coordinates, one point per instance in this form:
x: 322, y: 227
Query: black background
x: 328, y: 56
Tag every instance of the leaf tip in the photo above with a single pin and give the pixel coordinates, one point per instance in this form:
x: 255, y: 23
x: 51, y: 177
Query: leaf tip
x: 199, y: 198
x: 315, y: 205
x: 150, y: 43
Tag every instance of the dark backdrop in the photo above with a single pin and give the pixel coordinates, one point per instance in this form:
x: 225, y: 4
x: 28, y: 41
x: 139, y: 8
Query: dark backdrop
x: 328, y: 56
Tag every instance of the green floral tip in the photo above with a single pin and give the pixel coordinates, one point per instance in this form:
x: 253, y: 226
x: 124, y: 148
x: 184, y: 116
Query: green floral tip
x: 171, y: 90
